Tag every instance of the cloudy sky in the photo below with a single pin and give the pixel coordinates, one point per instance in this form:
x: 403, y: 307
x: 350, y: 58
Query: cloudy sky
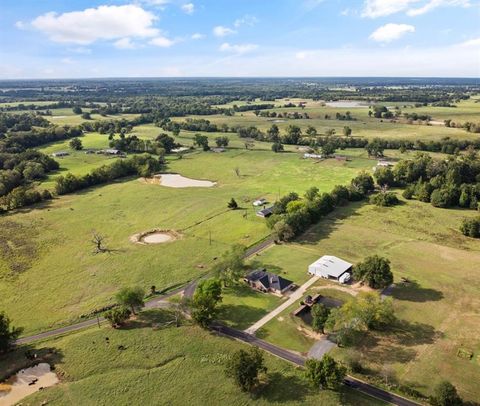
x: 120, y: 38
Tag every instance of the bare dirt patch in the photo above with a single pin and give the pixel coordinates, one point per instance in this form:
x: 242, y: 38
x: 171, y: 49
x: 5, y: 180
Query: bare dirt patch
x: 176, y: 180
x: 156, y: 236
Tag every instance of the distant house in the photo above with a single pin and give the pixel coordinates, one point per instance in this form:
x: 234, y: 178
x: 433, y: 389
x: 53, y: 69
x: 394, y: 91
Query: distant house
x: 331, y: 267
x: 112, y: 152
x: 266, y: 212
x: 259, y: 202
x: 265, y: 281
x: 60, y: 154
x: 180, y: 149
x: 383, y: 164
x: 312, y: 156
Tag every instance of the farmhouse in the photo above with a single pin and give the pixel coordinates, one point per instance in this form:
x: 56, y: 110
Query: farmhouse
x: 265, y: 281
x: 259, y: 202
x: 330, y: 267
x: 60, y: 154
x: 266, y: 212
x: 312, y: 156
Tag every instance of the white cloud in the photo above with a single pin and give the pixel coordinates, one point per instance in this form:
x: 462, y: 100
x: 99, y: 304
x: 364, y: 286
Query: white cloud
x: 382, y: 8
x: 475, y: 42
x: 246, y: 20
x: 80, y: 50
x: 101, y: 23
x: 390, y: 32
x: 124, y: 43
x: 188, y: 8
x: 67, y: 61
x: 162, y: 42
x: 238, y: 48
x: 433, y: 4
x: 20, y: 25
x: 221, y: 31
x: 197, y: 36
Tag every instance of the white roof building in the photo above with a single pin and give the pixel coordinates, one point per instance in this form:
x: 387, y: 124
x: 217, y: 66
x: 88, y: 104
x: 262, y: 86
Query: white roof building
x: 329, y: 267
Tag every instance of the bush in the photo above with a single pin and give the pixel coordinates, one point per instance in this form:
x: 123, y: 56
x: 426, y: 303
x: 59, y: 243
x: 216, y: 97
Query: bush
x: 118, y: 316
x: 385, y: 199
x: 408, y: 192
x: 471, y: 227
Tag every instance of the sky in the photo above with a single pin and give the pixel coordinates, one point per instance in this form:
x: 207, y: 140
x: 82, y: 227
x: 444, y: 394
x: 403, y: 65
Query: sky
x: 239, y: 38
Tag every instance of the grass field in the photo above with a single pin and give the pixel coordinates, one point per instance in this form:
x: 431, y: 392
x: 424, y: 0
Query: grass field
x: 162, y: 366
x: 438, y: 312
x: 47, y: 260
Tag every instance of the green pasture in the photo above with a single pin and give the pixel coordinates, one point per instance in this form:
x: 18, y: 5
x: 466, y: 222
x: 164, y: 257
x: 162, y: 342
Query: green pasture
x: 144, y: 365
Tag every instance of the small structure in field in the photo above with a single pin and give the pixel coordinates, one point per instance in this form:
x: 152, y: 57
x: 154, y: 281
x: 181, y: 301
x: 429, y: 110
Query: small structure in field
x: 312, y: 156
x: 89, y: 151
x: 264, y: 281
x: 265, y: 212
x: 383, y: 164
x: 218, y: 149
x: 260, y: 202
x: 180, y: 149
x: 60, y: 154
x: 331, y: 267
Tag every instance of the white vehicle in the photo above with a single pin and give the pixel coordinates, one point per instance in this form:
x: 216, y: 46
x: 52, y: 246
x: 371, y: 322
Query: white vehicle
x: 345, y: 278
x: 259, y: 202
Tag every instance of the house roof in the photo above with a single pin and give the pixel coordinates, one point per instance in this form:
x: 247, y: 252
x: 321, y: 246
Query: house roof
x: 268, y: 280
x: 265, y: 212
x: 332, y: 265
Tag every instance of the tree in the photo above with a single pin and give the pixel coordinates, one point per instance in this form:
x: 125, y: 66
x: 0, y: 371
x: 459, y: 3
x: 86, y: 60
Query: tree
x: 86, y: 116
x: 98, y: 241
x: 8, y: 334
x: 118, y: 316
x: 131, y: 297
x: 363, y: 183
x: 222, y: 141
x: 311, y: 131
x: 330, y: 131
x: 76, y: 144
x: 375, y: 147
x: 445, y: 394
x: 375, y: 271
x: 273, y: 134
x: 384, y: 177
x: 282, y: 231
x: 231, y: 266
x: 347, y: 131
x: 205, y: 300
x: 201, y: 141
x: 232, y: 204
x: 293, y: 135
x: 77, y: 110
x: 385, y: 199
x: 277, y: 147
x: 244, y: 367
x: 320, y: 314
x: 328, y: 149
x: 325, y: 373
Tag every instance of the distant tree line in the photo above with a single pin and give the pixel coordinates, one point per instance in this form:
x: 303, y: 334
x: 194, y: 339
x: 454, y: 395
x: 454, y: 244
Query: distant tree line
x: 141, y: 165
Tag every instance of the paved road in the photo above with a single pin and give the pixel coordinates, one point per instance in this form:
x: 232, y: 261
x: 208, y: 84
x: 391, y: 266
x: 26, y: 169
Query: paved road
x: 300, y: 360
x: 150, y: 304
x: 291, y: 300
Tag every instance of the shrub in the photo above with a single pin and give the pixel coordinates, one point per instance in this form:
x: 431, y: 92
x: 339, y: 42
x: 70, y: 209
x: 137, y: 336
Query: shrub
x: 385, y: 199
x: 471, y: 227
x: 118, y: 316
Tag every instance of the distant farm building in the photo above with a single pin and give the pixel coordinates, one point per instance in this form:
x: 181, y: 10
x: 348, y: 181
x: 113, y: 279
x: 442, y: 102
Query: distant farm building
x: 259, y: 202
x: 331, y: 267
x: 60, y: 154
x: 266, y: 212
x: 218, y: 149
x: 312, y: 156
x: 264, y: 281
x: 383, y: 164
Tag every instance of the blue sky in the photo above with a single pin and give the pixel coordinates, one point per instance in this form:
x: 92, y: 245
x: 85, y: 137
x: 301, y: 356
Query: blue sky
x: 117, y: 38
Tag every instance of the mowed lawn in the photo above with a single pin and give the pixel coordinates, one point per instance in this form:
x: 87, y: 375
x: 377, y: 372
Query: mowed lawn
x: 47, y: 262
x: 186, y: 365
x: 439, y: 310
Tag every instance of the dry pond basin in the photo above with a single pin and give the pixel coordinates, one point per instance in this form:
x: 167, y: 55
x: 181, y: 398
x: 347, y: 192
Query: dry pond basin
x: 25, y: 382
x: 156, y: 236
x: 176, y: 180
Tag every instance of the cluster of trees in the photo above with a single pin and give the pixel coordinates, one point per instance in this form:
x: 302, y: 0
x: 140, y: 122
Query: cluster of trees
x: 325, y: 373
x: 245, y: 367
x: 10, y: 122
x: 469, y: 126
x: 17, y: 174
x: 191, y: 124
x: 294, y: 116
x: 345, y: 117
x: 129, y: 300
x: 380, y: 112
x: 443, y: 183
x: 417, y: 117
x: 366, y: 311
x: 142, y: 165
x: 384, y: 199
x: 131, y: 143
x: 292, y: 215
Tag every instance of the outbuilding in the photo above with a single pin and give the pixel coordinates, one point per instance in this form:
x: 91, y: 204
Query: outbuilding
x: 266, y: 212
x: 331, y: 267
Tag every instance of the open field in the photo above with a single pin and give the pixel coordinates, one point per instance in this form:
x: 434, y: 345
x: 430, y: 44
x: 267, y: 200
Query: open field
x: 438, y: 313
x: 47, y: 259
x: 157, y: 366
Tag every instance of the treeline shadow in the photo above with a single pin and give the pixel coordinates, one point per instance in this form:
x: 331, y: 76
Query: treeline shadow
x: 412, y: 292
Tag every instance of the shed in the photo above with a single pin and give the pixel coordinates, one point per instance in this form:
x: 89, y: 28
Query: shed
x: 265, y: 212
x: 329, y: 267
